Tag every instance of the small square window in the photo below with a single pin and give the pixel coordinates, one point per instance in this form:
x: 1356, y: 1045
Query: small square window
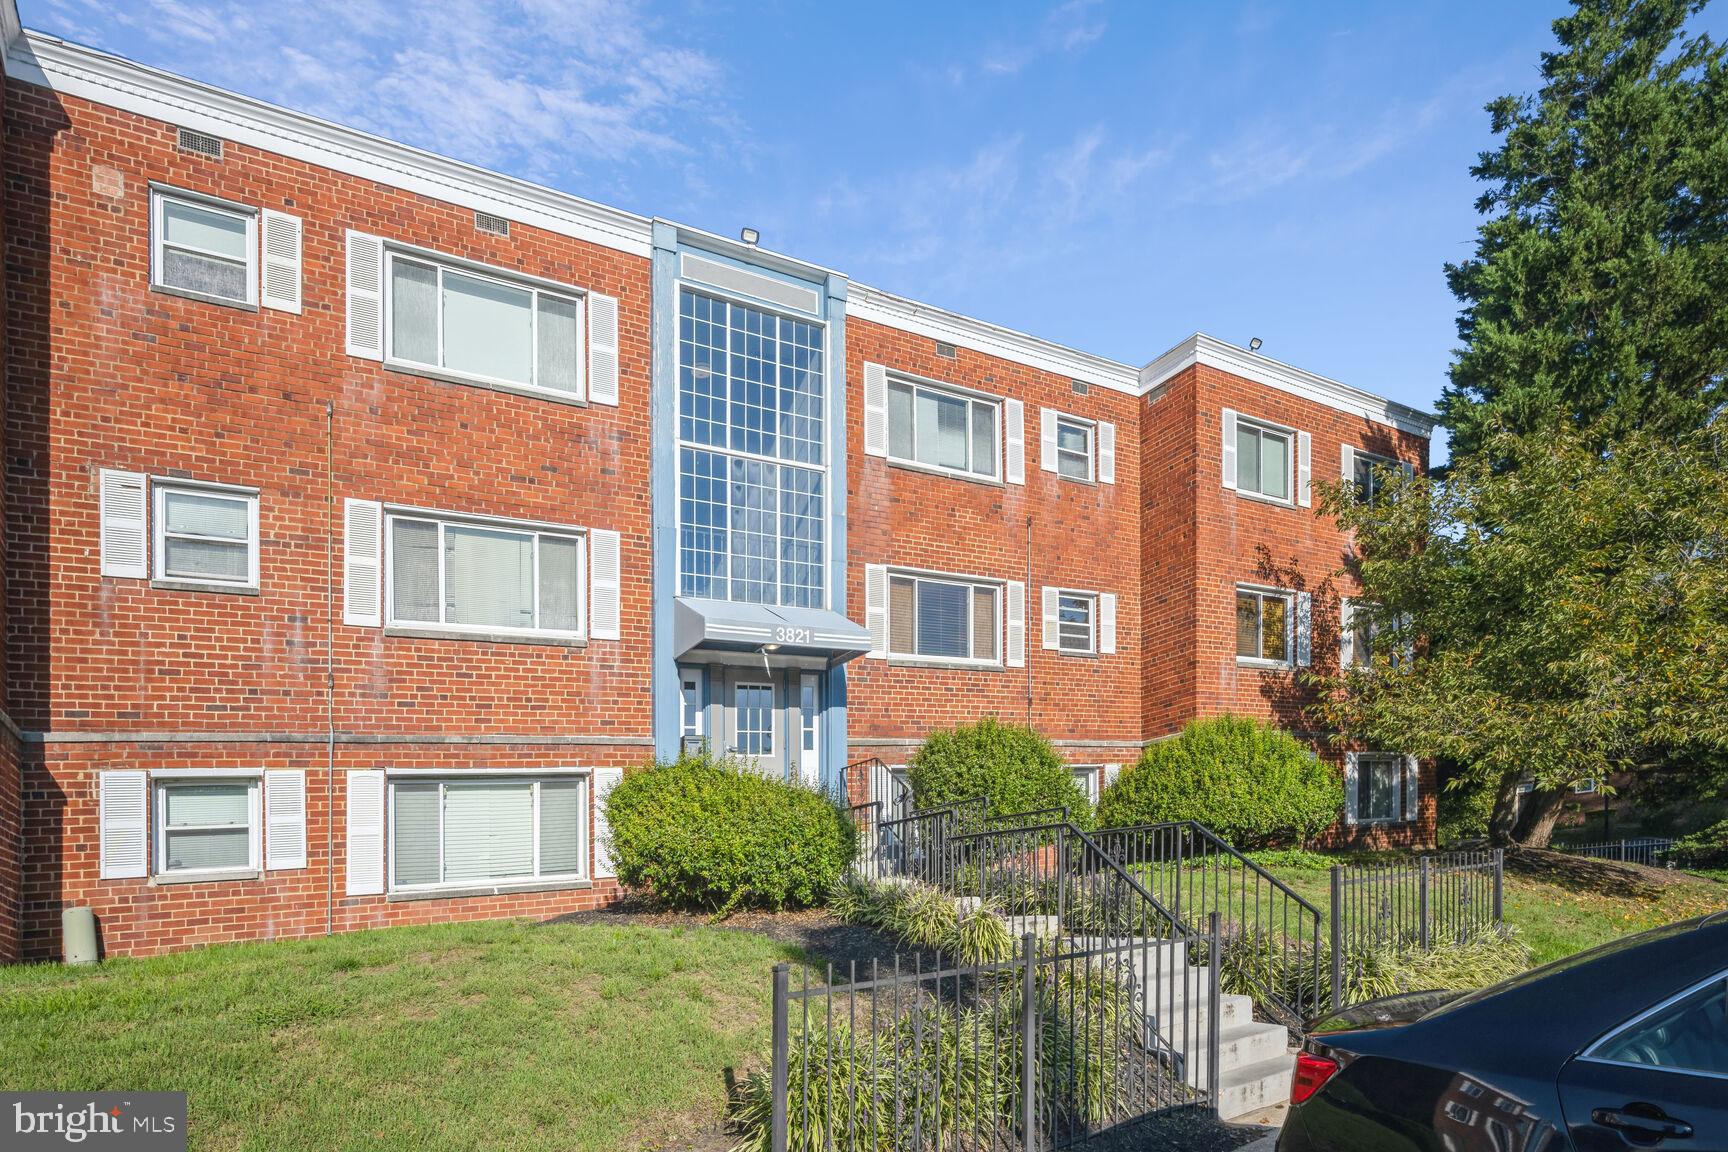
x: 206, y: 536
x: 1262, y: 626
x: 204, y: 249
x: 1369, y: 474
x: 206, y: 826
x: 1077, y: 623
x: 1263, y: 459
x: 1074, y: 439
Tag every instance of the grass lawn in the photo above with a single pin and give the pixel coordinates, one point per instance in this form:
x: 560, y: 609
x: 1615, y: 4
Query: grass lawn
x: 488, y: 1035
x: 1557, y: 921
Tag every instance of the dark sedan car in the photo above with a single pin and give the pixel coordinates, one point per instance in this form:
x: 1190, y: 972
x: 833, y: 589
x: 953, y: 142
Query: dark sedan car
x: 1623, y: 1046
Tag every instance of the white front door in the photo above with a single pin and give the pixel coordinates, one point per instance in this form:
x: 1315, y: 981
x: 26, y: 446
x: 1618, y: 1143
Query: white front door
x: 810, y: 728
x: 753, y: 734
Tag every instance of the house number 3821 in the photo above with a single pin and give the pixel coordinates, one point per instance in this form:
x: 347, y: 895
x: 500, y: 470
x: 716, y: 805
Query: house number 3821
x: 792, y: 635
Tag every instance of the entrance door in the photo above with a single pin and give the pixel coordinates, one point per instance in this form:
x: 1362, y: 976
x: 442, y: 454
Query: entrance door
x: 810, y: 728
x: 754, y: 733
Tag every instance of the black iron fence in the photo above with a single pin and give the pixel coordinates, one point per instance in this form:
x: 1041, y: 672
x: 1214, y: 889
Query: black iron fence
x: 1063, y: 1041
x: 1651, y: 851
x: 1193, y: 874
x: 1412, y: 905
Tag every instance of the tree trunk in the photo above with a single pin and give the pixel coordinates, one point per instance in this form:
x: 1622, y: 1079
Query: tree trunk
x: 1536, y: 817
x: 1503, y: 821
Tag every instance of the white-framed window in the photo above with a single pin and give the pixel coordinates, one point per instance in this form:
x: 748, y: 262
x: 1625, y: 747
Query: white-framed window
x: 944, y: 618
x: 1086, y: 776
x: 473, y: 575
x: 206, y: 535
x: 207, y: 826
x: 1265, y: 461
x: 1076, y: 448
x: 1264, y: 622
x: 1369, y: 474
x: 1077, y: 622
x: 1584, y: 788
x: 485, y: 327
x: 203, y: 248
x: 946, y: 429
x: 754, y: 704
x: 1379, y: 788
x: 477, y: 829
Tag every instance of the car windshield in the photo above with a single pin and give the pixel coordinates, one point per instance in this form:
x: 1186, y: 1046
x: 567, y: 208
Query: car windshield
x: 1577, y: 960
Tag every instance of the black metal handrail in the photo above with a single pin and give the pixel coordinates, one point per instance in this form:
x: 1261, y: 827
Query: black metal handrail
x: 1195, y: 873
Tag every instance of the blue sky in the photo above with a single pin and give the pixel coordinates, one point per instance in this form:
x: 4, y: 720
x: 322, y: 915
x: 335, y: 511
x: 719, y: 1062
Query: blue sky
x: 1108, y: 175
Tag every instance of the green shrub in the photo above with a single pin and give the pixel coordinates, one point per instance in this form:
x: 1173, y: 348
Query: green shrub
x: 1293, y: 860
x: 1464, y: 809
x: 1249, y: 782
x: 1704, y: 849
x: 715, y: 835
x: 1014, y: 767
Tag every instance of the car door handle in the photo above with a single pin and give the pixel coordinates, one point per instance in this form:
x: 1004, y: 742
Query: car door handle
x: 1644, y: 1120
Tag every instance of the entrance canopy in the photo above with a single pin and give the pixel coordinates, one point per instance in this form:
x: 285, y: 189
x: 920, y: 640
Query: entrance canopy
x: 720, y: 625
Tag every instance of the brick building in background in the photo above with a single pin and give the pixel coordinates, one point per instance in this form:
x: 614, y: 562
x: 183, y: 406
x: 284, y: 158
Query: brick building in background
x: 366, y: 514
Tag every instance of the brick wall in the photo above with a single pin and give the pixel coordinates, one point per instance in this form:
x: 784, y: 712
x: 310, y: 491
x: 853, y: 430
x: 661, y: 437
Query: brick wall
x: 105, y: 373
x: 1083, y: 536
x: 10, y: 833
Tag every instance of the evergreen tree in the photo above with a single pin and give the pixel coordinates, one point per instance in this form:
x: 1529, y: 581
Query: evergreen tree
x: 1598, y: 292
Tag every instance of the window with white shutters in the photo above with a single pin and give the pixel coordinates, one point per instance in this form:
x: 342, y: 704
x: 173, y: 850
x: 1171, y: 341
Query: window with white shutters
x: 944, y: 429
x: 483, y: 576
x: 480, y: 830
x: 1264, y: 626
x: 1264, y: 457
x: 203, y: 248
x: 1077, y: 622
x: 946, y: 619
x: 483, y: 327
x: 206, y: 535
x: 206, y: 826
x: 1379, y: 788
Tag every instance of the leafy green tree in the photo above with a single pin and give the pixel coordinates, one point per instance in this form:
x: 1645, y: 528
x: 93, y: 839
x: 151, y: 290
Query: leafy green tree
x: 1571, y: 610
x: 1598, y: 291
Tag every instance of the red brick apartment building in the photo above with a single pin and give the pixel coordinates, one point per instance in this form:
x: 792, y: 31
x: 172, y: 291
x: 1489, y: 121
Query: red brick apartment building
x: 366, y: 514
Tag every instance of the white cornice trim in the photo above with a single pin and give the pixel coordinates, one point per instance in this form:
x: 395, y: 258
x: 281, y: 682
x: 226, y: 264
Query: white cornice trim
x: 991, y: 339
x: 9, y: 31
x: 79, y: 71
x: 1214, y: 353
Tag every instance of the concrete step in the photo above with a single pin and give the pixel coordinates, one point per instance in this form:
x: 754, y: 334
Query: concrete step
x: 1173, y: 1020
x: 1253, y: 1086
x: 1241, y: 1046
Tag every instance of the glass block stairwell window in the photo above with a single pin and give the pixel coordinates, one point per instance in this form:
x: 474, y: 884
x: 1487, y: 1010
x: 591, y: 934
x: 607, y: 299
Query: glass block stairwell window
x: 752, y: 462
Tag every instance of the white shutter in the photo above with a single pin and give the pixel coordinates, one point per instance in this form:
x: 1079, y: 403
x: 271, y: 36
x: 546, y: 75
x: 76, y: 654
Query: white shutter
x: 123, y: 499
x: 1111, y: 773
x: 1349, y: 787
x: 1047, y: 440
x: 1412, y: 787
x: 365, y: 833
x: 605, y: 779
x: 365, y: 296
x: 605, y: 585
x: 1347, y: 460
x: 875, y: 410
x: 1304, y: 629
x: 876, y: 607
x: 1229, y: 447
x: 281, y: 262
x: 1346, y: 634
x: 602, y: 349
x: 122, y: 801
x: 1106, y: 453
x: 1014, y: 451
x: 1016, y: 624
x: 284, y: 820
x: 1304, y: 469
x: 362, y: 559
x: 1051, y: 600
x: 1107, y: 623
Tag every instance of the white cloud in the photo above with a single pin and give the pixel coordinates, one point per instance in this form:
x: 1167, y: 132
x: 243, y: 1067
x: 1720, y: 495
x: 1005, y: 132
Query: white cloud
x: 570, y: 92
x: 1068, y: 28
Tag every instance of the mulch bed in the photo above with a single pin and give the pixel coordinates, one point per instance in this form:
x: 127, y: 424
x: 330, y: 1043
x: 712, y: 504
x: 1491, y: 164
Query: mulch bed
x: 1604, y: 877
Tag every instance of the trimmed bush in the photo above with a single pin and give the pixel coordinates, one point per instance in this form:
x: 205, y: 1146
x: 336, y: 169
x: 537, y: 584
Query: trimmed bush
x: 1465, y: 808
x: 1251, y: 783
x: 1705, y: 849
x: 1015, y: 767
x: 714, y: 835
